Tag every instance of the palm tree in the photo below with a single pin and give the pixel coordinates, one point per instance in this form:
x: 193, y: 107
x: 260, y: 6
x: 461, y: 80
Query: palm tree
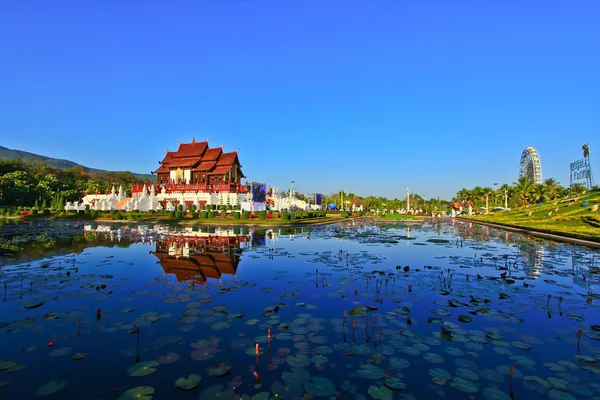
x: 552, y: 188
x: 524, y: 188
x: 540, y: 193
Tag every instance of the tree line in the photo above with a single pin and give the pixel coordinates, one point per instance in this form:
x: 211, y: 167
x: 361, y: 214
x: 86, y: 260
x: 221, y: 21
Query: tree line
x: 37, y: 184
x: 522, y: 192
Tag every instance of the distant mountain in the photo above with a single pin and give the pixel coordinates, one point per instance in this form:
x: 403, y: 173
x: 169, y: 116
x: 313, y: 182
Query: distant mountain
x: 31, y: 158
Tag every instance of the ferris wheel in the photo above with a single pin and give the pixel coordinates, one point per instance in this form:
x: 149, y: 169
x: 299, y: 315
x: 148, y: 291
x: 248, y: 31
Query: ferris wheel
x: 530, y: 165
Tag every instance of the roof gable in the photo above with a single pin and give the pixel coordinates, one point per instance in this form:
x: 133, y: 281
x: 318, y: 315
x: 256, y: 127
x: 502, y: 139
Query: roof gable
x: 194, y: 149
x: 228, y: 158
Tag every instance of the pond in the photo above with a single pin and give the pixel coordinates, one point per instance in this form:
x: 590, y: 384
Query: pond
x: 356, y: 310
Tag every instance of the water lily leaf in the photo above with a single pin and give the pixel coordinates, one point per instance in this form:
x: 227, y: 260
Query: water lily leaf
x: 216, y: 392
x: 399, y: 363
x: 140, y: 392
x: 204, y: 354
x: 220, y: 370
x: 463, y: 385
x: 395, y: 383
x: 382, y: 393
x: 440, y: 373
x: 357, y: 311
x: 168, y: 358
x: 219, y: 326
x: 143, y: 368
x: 320, y: 386
x: 371, y: 373
x: 79, y: 356
x: 491, y: 393
x: 287, y: 390
x: 51, y: 387
x: 189, y: 383
x: 521, y: 345
x: 261, y: 396
x: 465, y: 319
x: 299, y: 360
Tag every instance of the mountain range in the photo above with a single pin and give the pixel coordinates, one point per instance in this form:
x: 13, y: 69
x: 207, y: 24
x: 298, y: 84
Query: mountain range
x: 32, y: 158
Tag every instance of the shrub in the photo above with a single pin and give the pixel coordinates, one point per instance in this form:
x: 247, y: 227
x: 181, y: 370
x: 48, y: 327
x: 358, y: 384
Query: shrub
x: 172, y: 214
x: 203, y: 214
x: 46, y: 211
x: 94, y: 213
x: 117, y: 215
x: 236, y: 215
x: 81, y: 212
x: 2, y: 211
x: 285, y: 216
x: 246, y: 215
x: 151, y: 211
x: 262, y: 215
x: 179, y: 214
x: 211, y: 215
x: 130, y: 217
x: 113, y: 212
x: 195, y: 215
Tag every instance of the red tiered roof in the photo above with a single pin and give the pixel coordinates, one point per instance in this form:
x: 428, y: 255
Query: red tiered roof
x: 212, y: 154
x: 204, y: 166
x: 227, y: 158
x: 184, y: 162
x: 223, y: 169
x: 191, y: 149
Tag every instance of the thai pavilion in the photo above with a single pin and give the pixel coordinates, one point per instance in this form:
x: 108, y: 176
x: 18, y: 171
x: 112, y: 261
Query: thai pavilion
x: 193, y: 175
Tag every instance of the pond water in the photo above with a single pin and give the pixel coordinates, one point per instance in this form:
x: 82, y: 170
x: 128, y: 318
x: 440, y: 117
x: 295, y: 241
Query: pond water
x: 355, y: 310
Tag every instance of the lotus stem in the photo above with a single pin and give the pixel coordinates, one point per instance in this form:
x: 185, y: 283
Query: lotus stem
x: 409, y: 288
x: 98, y: 314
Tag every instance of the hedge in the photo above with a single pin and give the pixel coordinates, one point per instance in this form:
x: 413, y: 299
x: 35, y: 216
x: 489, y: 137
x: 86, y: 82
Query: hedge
x: 236, y: 215
x: 203, y: 214
x: 211, y: 215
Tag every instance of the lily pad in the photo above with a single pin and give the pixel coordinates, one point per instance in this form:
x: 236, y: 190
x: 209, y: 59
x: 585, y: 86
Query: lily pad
x: 189, y: 383
x: 216, y: 392
x: 220, y: 370
x: 299, y: 360
x: 79, y: 356
x: 51, y: 387
x: 143, y: 368
x: 140, y: 392
x: 320, y: 386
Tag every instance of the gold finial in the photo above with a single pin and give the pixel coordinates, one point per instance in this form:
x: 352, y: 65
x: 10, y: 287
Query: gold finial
x: 207, y: 139
x: 238, y: 149
x: 222, y: 145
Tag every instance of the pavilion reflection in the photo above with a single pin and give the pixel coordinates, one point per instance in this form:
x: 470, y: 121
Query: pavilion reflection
x: 202, y: 256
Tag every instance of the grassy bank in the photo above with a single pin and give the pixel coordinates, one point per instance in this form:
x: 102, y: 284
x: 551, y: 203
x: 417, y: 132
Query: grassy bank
x: 271, y: 219
x: 397, y: 217
x: 572, y: 217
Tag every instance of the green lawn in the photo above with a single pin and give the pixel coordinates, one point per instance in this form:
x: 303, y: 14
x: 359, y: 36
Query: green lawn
x: 568, y: 217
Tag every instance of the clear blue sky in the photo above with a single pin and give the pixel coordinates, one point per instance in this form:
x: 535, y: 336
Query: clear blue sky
x: 367, y: 96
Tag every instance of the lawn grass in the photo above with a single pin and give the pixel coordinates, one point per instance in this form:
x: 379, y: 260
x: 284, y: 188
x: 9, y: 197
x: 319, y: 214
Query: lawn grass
x: 566, y: 217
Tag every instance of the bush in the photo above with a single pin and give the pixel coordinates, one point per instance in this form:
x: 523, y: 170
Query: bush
x: 117, y: 215
x: 130, y: 217
x: 262, y: 215
x: 172, y: 214
x: 211, y: 215
x: 46, y: 212
x: 285, y: 216
x: 195, y: 215
x: 81, y: 212
x: 179, y: 214
x: 203, y: 214
x: 2, y: 211
x: 246, y: 215
x: 236, y: 215
x: 94, y: 213
x: 151, y: 211
x: 113, y: 212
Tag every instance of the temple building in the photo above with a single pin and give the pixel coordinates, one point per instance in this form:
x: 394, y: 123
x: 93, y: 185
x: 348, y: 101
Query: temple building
x: 193, y: 175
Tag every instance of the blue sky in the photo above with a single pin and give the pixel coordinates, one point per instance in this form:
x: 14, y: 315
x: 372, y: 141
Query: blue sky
x: 367, y: 96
